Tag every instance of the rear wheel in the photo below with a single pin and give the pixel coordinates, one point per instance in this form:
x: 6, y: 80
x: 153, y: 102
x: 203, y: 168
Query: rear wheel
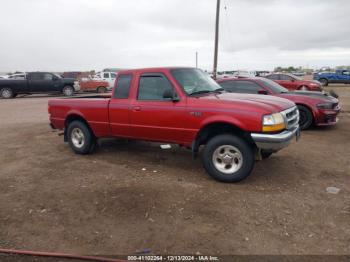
x: 324, y: 81
x: 228, y: 158
x: 80, y: 138
x: 68, y: 91
x: 101, y: 89
x: 306, y: 118
x: 7, y: 93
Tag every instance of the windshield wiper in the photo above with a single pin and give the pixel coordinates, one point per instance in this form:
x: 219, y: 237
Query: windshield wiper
x: 219, y: 90
x: 201, y: 92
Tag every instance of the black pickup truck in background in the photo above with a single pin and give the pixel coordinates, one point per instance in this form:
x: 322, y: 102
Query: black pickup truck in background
x: 38, y: 82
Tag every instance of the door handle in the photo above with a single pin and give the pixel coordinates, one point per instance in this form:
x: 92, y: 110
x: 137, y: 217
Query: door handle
x: 136, y: 108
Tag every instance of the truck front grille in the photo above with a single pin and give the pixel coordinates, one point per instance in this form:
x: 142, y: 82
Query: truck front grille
x: 291, y: 116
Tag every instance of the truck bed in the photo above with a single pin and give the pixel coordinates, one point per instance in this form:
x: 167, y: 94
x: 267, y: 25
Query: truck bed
x: 93, y: 108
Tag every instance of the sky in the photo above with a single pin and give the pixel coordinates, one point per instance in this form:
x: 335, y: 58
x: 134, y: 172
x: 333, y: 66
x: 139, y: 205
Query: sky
x: 64, y: 35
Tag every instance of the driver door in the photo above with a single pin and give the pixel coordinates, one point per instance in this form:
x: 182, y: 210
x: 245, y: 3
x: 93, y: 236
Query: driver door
x: 153, y: 117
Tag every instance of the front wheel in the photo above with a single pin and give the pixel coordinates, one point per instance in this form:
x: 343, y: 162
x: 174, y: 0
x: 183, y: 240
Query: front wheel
x: 80, y: 138
x: 7, y: 93
x: 68, y: 91
x: 228, y: 158
x: 306, y: 118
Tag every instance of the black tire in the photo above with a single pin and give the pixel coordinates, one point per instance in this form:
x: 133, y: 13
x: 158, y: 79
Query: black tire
x: 88, y: 142
x: 324, y: 81
x: 306, y: 118
x: 68, y: 91
x: 101, y: 89
x: 216, y: 145
x: 6, y: 93
x: 265, y: 154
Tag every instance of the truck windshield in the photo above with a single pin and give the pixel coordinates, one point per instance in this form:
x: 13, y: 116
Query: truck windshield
x: 275, y: 88
x: 194, y: 81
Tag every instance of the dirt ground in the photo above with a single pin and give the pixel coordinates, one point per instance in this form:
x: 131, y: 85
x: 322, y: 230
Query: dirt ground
x: 131, y: 196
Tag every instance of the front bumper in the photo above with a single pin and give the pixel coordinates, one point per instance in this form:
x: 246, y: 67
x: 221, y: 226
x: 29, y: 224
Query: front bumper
x: 327, y: 117
x: 275, y: 142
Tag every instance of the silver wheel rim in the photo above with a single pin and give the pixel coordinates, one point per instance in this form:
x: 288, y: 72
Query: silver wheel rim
x: 78, y: 138
x: 68, y: 91
x: 227, y: 159
x: 6, y: 93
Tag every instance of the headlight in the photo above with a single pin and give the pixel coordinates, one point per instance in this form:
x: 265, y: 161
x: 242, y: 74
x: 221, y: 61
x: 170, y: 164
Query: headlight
x: 325, y: 106
x: 274, y: 122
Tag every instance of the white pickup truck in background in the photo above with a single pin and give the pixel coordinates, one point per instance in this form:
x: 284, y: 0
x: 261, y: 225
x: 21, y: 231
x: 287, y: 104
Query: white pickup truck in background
x: 106, y: 76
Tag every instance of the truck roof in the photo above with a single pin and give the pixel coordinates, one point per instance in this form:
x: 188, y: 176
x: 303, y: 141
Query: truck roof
x: 152, y: 69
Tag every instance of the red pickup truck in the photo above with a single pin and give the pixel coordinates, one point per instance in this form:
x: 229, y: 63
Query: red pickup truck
x: 186, y: 107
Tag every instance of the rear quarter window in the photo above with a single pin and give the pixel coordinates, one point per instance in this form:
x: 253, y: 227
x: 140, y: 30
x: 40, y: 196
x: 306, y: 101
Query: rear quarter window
x: 122, y: 88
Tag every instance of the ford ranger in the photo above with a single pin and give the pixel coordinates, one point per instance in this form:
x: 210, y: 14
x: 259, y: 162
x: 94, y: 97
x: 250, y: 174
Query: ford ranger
x: 186, y: 107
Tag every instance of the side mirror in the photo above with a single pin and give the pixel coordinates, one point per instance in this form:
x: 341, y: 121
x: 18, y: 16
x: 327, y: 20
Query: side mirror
x: 54, y: 78
x: 170, y: 95
x: 262, y: 92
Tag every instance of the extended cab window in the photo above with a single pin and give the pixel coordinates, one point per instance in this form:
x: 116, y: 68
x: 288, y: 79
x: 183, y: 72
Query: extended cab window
x: 123, y: 87
x: 152, y: 87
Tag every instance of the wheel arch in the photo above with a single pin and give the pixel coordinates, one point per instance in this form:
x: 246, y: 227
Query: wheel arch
x: 75, y: 117
x: 312, y: 110
x: 306, y: 85
x: 324, y: 78
x: 211, y: 129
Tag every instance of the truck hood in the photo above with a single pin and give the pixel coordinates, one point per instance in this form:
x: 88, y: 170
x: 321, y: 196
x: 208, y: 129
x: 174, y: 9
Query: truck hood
x: 270, y: 104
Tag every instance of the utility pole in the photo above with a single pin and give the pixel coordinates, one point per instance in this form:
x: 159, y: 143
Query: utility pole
x: 215, y: 69
x: 196, y: 59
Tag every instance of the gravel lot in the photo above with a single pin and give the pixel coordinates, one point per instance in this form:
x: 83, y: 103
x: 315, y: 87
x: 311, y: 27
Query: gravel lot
x: 105, y: 203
